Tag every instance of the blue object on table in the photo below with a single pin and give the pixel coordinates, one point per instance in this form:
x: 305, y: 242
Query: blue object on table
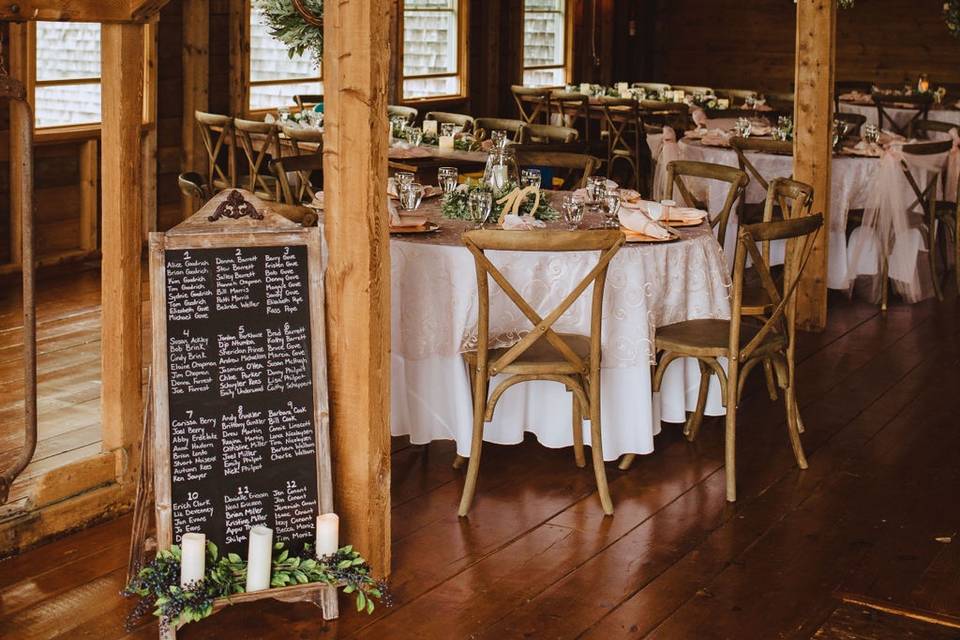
x: 318, y: 107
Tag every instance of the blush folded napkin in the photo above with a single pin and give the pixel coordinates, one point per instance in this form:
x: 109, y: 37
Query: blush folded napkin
x: 635, y: 221
x: 513, y: 222
x: 398, y: 221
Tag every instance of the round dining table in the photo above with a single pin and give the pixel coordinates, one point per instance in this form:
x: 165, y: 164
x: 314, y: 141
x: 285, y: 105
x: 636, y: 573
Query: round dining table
x: 434, y: 320
x: 901, y: 115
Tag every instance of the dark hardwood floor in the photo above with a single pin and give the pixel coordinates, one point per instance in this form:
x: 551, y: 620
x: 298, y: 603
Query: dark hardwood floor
x: 874, y: 519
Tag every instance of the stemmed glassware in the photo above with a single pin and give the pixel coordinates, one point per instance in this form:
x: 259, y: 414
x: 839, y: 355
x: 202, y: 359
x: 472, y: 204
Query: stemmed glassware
x: 572, y: 211
x: 499, y: 139
x: 414, y: 136
x: 411, y: 195
x: 611, y: 207
x: 596, y: 190
x: 448, y: 178
x: 479, y: 205
x: 530, y: 178
x: 871, y: 133
x: 403, y: 179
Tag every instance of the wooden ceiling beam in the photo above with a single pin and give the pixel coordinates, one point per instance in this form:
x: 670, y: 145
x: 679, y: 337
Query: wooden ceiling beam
x: 81, y: 10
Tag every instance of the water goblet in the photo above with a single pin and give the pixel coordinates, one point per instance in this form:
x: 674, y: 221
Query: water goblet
x: 448, y: 177
x: 596, y: 190
x: 415, y: 136
x: 531, y: 178
x: 411, y: 195
x: 404, y: 178
x: 611, y: 209
x: 572, y: 211
x: 479, y: 205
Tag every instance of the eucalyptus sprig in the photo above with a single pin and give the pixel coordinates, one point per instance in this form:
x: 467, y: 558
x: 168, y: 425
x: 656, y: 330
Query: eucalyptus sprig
x: 158, y: 583
x: 289, y: 27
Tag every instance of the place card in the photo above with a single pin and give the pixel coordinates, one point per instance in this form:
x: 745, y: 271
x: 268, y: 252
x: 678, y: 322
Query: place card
x: 723, y: 103
x: 585, y: 88
x: 430, y: 127
x: 622, y: 87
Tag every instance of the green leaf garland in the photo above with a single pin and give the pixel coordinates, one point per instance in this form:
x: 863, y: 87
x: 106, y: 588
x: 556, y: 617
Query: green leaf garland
x: 289, y: 27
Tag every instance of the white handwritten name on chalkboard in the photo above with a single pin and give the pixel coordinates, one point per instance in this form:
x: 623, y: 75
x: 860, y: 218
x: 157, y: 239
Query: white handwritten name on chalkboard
x: 240, y: 391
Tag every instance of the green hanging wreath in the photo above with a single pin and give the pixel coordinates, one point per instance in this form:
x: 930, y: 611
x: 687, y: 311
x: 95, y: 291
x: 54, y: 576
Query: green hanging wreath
x: 289, y: 27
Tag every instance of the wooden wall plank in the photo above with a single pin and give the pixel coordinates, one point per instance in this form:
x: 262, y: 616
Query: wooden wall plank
x: 196, y: 80
x: 812, y: 144
x: 89, y: 193
x: 356, y: 65
x: 122, y: 158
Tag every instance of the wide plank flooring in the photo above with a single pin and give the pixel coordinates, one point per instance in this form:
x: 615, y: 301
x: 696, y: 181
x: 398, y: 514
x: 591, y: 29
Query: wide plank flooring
x: 873, y: 520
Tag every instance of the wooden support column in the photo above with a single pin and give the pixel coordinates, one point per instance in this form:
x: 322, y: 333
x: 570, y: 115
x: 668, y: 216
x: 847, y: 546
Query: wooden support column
x: 122, y: 214
x: 812, y: 146
x: 196, y: 89
x: 355, y: 66
x: 149, y: 137
x: 21, y: 69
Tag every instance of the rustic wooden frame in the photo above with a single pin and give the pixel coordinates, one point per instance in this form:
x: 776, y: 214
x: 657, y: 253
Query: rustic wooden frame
x: 568, y: 25
x: 273, y: 231
x: 463, y: 52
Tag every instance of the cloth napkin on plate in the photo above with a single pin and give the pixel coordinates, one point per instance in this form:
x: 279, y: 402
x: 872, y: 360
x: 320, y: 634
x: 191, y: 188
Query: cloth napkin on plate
x: 513, y: 222
x: 636, y: 221
x: 680, y: 214
x: 583, y: 196
x: 716, y: 138
x: 400, y: 221
x: 699, y: 117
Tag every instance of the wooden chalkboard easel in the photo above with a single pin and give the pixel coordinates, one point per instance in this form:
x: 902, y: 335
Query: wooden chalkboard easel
x: 228, y: 222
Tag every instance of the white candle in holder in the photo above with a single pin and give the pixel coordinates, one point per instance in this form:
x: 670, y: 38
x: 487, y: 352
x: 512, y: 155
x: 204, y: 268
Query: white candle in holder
x: 622, y: 87
x: 259, y: 558
x: 430, y: 126
x: 446, y: 142
x: 193, y: 558
x: 328, y: 534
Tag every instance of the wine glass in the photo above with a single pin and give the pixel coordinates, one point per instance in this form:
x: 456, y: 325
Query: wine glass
x: 572, y: 210
x: 404, y: 178
x: 611, y: 207
x: 531, y: 178
x: 411, y: 195
x: 479, y: 204
x: 415, y: 136
x: 448, y: 178
x: 596, y: 190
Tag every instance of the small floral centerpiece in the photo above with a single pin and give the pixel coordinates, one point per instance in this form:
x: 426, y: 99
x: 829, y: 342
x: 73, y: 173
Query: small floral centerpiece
x: 158, y: 583
x: 784, y: 129
x: 702, y: 100
x: 455, y: 204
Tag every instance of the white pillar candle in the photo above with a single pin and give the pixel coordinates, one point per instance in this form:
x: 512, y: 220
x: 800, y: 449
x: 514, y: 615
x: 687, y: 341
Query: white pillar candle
x: 193, y: 558
x: 622, y: 87
x: 446, y: 142
x: 259, y: 558
x: 430, y: 126
x: 585, y: 87
x: 328, y: 534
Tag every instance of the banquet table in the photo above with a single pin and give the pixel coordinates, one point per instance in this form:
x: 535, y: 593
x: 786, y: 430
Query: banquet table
x: 901, y: 115
x: 850, y: 179
x: 434, y: 318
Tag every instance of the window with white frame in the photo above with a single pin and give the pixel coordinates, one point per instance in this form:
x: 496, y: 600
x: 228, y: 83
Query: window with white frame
x: 275, y: 77
x: 67, y: 84
x: 432, y: 49
x: 544, y: 43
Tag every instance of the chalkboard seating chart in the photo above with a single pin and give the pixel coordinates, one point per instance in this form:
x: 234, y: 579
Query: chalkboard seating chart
x: 240, y: 394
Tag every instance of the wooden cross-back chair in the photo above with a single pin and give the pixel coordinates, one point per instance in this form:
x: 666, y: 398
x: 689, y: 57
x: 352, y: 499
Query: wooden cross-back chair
x: 943, y: 213
x: 533, y: 105
x: 679, y: 171
x: 691, y: 89
x: 407, y: 113
x: 303, y: 166
x: 926, y: 196
x: 854, y: 122
x: 577, y: 166
x: 306, y: 101
x: 781, y: 102
x: 736, y: 96
x: 626, y: 140
x: 256, y: 153
x: 745, y: 342
x: 750, y: 212
x: 483, y: 127
x: 846, y: 86
x: 542, y: 354
x: 658, y: 114
x: 193, y: 185
x: 652, y: 86
x: 457, y: 119
x: 216, y: 132
x: 574, y: 109
x: 548, y: 134
x: 884, y: 101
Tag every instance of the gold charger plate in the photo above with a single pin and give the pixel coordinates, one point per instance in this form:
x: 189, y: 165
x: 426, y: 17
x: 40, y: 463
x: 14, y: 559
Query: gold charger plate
x: 633, y: 236
x: 430, y: 227
x: 679, y: 222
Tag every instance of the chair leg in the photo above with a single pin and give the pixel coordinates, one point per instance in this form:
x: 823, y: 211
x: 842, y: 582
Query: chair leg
x: 473, y: 466
x: 932, y: 258
x: 793, y: 426
x: 730, y: 444
x: 459, y: 461
x: 884, y: 285
x: 627, y: 461
x: 771, y: 385
x: 577, y: 425
x: 692, y: 426
x: 596, y: 447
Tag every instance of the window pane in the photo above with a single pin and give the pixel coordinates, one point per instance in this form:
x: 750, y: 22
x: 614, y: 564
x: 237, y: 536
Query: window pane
x: 543, y: 42
x: 431, y: 87
x: 67, y: 104
x: 429, y: 4
x: 269, y: 59
x: 543, y: 5
x: 429, y: 42
x: 68, y: 50
x: 544, y: 77
x: 271, y: 96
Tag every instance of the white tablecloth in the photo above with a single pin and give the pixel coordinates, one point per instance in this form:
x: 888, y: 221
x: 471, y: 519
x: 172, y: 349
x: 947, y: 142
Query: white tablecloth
x: 849, y: 179
x: 434, y: 319
x: 900, y: 116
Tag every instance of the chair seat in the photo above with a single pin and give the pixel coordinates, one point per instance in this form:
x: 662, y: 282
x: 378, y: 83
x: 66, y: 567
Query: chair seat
x: 541, y: 357
x: 710, y: 338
